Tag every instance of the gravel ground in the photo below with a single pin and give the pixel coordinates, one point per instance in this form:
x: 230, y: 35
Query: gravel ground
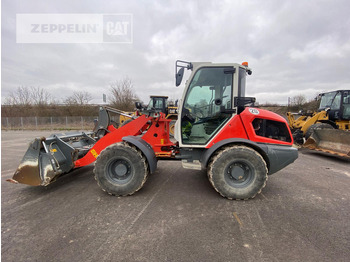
x: 301, y: 215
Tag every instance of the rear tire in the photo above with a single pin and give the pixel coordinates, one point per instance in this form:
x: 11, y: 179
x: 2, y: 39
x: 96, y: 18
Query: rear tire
x: 237, y: 172
x: 121, y: 169
x: 311, y: 129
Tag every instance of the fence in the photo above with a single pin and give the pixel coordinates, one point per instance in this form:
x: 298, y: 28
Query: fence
x: 49, y: 123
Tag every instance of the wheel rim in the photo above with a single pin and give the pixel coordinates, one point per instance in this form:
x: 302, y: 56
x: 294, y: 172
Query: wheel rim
x: 239, y: 174
x: 119, y: 171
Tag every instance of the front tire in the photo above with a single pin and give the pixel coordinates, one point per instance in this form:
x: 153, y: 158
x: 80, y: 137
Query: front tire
x: 237, y: 172
x: 121, y: 169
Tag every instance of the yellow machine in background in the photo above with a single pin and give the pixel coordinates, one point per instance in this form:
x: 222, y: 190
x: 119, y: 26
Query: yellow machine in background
x: 157, y: 103
x: 125, y: 118
x: 328, y: 128
x: 161, y: 103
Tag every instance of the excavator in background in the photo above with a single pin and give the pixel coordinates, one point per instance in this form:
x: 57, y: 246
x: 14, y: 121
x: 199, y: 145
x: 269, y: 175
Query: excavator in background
x: 216, y: 130
x: 328, y: 129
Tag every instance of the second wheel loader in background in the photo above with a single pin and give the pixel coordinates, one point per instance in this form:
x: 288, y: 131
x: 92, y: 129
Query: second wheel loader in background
x: 328, y: 129
x: 239, y: 146
x: 161, y: 104
x: 157, y: 104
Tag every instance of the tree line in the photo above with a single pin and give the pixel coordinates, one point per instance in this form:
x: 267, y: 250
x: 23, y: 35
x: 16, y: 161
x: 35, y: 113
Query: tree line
x: 28, y: 101
x: 299, y: 102
x: 295, y: 104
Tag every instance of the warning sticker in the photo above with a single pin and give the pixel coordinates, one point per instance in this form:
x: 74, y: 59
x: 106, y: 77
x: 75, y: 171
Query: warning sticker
x: 94, y: 153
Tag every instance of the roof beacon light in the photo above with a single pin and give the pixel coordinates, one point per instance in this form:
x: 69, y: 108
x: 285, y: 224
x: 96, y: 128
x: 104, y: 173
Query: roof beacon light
x: 245, y: 64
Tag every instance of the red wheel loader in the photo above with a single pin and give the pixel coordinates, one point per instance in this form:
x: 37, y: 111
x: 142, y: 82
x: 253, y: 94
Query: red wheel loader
x: 216, y: 130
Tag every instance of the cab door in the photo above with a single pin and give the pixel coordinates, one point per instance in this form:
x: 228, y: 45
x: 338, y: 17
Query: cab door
x: 207, y: 104
x: 335, y: 112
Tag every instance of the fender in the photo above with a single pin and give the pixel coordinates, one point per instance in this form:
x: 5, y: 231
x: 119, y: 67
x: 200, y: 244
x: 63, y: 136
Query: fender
x: 145, y: 148
x: 276, y: 156
x: 261, y: 148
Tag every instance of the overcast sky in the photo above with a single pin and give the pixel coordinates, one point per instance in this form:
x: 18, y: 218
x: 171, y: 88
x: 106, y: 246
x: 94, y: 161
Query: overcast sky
x: 294, y: 47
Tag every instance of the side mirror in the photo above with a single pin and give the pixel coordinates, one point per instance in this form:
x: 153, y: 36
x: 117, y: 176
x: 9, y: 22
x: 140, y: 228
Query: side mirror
x: 179, y: 75
x: 243, y: 101
x: 138, y: 105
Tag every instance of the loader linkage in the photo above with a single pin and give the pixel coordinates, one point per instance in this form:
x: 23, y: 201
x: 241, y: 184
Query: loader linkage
x: 48, y: 158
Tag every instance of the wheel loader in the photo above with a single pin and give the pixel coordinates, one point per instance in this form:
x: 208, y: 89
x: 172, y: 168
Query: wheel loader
x: 159, y: 104
x: 328, y: 129
x: 217, y: 130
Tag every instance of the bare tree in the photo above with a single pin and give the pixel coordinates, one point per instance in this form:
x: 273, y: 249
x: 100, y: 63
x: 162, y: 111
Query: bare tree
x: 78, y: 98
x: 28, y: 95
x: 123, y: 96
x: 39, y: 96
x: 21, y: 97
x: 298, y: 101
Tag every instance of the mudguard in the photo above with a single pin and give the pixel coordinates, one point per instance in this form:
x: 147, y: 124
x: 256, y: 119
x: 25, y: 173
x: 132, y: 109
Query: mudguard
x: 275, y: 156
x: 145, y: 148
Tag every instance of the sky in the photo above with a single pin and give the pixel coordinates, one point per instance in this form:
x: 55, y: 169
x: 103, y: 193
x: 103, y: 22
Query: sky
x: 293, y: 47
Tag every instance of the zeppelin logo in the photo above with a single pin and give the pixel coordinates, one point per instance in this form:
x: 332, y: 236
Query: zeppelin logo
x: 64, y: 28
x: 74, y: 28
x: 254, y: 111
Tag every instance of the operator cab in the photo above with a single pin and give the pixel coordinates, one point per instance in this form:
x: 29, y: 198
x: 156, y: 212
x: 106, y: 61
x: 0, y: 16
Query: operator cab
x: 337, y: 103
x: 158, y: 103
x: 214, y: 94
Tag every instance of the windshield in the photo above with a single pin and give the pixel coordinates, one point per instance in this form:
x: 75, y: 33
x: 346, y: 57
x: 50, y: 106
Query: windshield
x: 327, y: 99
x: 209, y: 95
x: 156, y: 103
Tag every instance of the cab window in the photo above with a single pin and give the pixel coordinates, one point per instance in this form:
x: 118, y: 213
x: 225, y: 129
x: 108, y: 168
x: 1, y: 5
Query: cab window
x: 336, y: 102
x: 208, y: 97
x: 346, y: 105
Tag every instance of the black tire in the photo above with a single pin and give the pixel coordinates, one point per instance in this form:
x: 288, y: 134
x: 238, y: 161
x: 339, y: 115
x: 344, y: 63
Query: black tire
x: 241, y: 162
x: 121, y: 169
x: 126, y: 122
x: 298, y: 137
x: 311, y: 129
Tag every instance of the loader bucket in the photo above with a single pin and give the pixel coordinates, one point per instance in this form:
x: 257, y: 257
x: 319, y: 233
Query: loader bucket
x: 35, y: 168
x: 333, y: 141
x: 48, y: 158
